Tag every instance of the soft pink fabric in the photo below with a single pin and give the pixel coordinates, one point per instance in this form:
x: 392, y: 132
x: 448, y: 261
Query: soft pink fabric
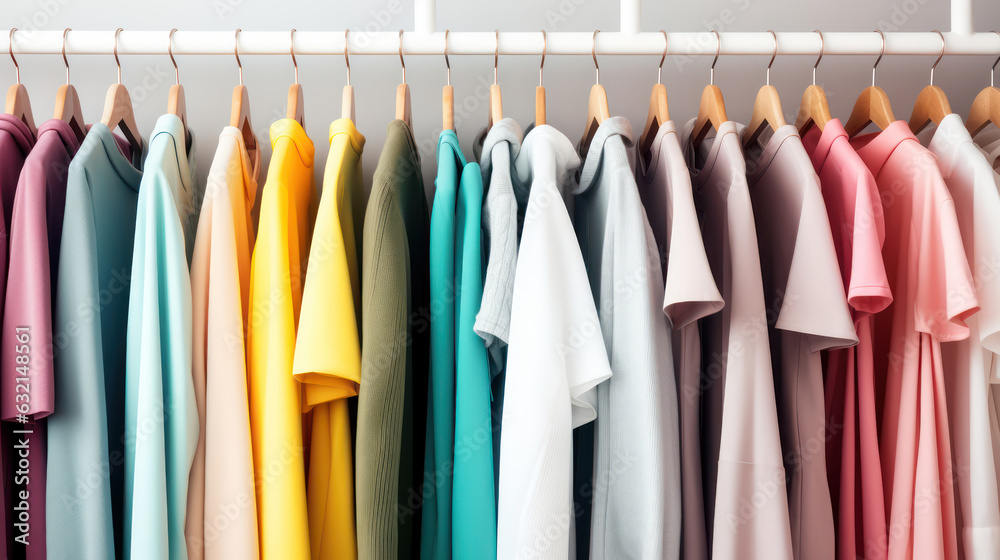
x: 933, y: 293
x: 853, y: 464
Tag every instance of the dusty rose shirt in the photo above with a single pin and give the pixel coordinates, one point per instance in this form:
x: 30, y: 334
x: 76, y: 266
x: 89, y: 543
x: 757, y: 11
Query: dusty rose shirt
x: 933, y: 292
x: 853, y: 464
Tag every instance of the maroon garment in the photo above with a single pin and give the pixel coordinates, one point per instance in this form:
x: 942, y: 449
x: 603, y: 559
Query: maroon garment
x: 34, y: 235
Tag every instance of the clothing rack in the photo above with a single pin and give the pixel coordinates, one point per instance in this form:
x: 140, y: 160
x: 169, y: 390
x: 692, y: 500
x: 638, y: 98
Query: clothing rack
x: 425, y: 39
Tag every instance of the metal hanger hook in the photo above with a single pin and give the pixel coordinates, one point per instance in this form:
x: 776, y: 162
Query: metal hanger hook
x: 541, y: 66
x: 662, y: 58
x: 118, y: 62
x: 65, y: 60
x: 880, y: 53
x: 718, y: 50
x: 236, y: 51
x: 401, y: 62
x: 593, y: 52
x: 940, y: 56
x: 10, y: 49
x: 822, y: 47
x: 447, y: 63
x: 291, y: 50
x: 496, y: 54
x: 170, y: 52
x: 995, y: 62
x: 347, y: 59
x: 774, y: 54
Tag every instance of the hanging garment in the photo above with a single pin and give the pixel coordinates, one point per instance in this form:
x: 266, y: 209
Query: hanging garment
x: 555, y: 360
x: 161, y: 418
x: 327, y: 347
x: 395, y: 341
x: 967, y: 364
x: 933, y: 293
x: 222, y: 506
x: 852, y: 456
x: 988, y: 140
x: 35, y: 233
x: 746, y: 506
x: 279, y: 258
x: 85, y: 481
x: 496, y: 148
x: 806, y: 313
x: 689, y: 294
x: 637, y: 486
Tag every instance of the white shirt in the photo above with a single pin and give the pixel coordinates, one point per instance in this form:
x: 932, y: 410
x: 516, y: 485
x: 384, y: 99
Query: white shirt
x: 555, y: 359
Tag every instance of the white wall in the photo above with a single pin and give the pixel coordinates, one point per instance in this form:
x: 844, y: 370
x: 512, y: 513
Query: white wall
x: 209, y: 80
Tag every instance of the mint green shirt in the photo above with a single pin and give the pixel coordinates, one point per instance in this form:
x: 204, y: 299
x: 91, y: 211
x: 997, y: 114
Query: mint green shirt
x: 161, y: 419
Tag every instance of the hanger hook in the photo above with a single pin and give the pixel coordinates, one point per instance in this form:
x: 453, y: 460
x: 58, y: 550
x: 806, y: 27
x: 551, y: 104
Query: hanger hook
x: 496, y: 55
x: 10, y: 49
x: 662, y: 58
x: 541, y: 66
x: 347, y: 59
x: 995, y: 62
x: 65, y: 60
x: 117, y: 62
x: 718, y: 50
x: 236, y: 51
x: 170, y: 51
x: 880, y: 53
x: 593, y: 52
x: 401, y: 63
x: 291, y: 50
x: 940, y: 56
x: 447, y: 63
x: 774, y: 54
x: 822, y: 47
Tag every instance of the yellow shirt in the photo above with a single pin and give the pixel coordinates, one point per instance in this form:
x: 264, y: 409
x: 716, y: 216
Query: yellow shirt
x: 328, y: 351
x: 275, y: 296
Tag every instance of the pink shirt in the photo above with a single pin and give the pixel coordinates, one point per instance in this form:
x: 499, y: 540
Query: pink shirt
x: 853, y: 463
x: 933, y: 293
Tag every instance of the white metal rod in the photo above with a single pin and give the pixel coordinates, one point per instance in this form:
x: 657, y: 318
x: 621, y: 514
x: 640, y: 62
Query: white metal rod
x: 631, y: 18
x: 511, y: 43
x: 424, y: 16
x: 961, y: 17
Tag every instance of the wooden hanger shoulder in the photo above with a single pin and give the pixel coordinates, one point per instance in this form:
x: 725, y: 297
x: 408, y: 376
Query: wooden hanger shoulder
x: 448, y: 108
x: 496, y: 106
x: 18, y: 105
x: 296, y: 104
x: 814, y: 110
x: 69, y: 109
x: 597, y: 112
x: 872, y: 106
x: 985, y: 110
x: 711, y: 113
x: 766, y: 111
x: 403, y: 111
x: 239, y: 117
x: 118, y: 113
x: 931, y: 106
x: 658, y: 114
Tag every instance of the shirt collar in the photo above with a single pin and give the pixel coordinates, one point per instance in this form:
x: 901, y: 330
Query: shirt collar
x: 172, y: 125
x: 251, y: 168
x: 875, y: 148
x: 765, y: 154
x: 820, y: 143
x: 18, y: 131
x: 115, y: 148
x: 708, y: 151
x: 647, y: 171
x: 945, y: 140
x: 346, y: 126
x: 449, y: 139
x: 292, y: 129
x: 64, y: 131
x: 611, y: 127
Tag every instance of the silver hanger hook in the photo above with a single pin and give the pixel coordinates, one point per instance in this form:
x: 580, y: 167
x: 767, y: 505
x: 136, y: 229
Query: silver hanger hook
x: 347, y: 59
x: 718, y: 50
x: 662, y: 58
x: 10, y: 49
x: 447, y: 63
x: 496, y: 54
x: 401, y: 63
x: 117, y: 62
x: 291, y: 50
x: 995, y: 62
x: 880, y: 53
x: 170, y: 52
x: 822, y: 47
x: 593, y: 52
x: 236, y: 51
x: 65, y: 60
x: 774, y: 54
x: 541, y: 66
x: 940, y: 56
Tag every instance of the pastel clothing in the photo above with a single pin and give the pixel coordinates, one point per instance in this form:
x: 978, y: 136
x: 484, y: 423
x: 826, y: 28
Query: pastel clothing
x: 988, y: 140
x: 689, y: 294
x: 852, y: 455
x: 933, y: 293
x: 741, y: 453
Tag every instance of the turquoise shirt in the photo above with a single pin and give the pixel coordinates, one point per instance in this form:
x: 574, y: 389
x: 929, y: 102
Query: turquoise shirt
x: 84, y: 482
x: 161, y: 418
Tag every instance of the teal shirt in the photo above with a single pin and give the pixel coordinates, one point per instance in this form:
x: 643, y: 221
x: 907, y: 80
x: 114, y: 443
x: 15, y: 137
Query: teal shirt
x: 84, y: 480
x: 161, y: 418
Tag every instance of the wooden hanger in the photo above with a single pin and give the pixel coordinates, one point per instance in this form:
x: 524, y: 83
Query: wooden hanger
x: 767, y: 106
x: 932, y: 104
x: 176, y: 105
x: 403, y: 112
x: 540, y: 89
x: 872, y: 105
x: 68, y: 107
x: 118, y: 111
x: 447, y: 94
x: 815, y: 109
x: 296, y: 105
x: 658, y: 112
x: 18, y: 105
x: 239, y: 115
x: 347, y: 101
x: 712, y: 108
x: 496, y: 99
x: 986, y: 106
x: 597, y: 105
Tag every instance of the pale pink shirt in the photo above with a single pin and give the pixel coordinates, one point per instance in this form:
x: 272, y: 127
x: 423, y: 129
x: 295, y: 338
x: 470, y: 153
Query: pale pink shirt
x: 853, y: 464
x: 933, y: 293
